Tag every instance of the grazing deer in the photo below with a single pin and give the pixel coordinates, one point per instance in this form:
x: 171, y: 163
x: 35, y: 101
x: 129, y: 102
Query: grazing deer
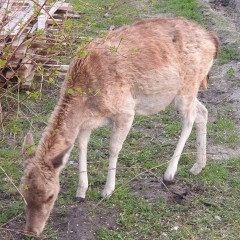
x: 137, y: 69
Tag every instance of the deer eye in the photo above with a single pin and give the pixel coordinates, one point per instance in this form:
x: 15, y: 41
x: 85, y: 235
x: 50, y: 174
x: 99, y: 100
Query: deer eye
x: 50, y: 198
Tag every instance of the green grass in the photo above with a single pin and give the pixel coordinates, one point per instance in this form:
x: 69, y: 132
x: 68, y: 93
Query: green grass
x: 223, y: 130
x: 106, y: 234
x: 230, y: 73
x: 186, y: 8
x: 227, y: 54
x: 141, y: 219
x: 100, y: 15
x: 10, y: 202
x: 97, y: 16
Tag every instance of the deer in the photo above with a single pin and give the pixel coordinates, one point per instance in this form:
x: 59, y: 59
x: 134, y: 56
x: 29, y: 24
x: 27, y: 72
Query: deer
x: 138, y: 69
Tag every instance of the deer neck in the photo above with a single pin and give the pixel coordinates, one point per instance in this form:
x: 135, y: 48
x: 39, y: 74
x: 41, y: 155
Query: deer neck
x: 60, y: 134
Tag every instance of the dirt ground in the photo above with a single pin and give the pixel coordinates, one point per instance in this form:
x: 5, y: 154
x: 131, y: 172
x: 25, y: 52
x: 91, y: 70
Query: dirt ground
x: 78, y: 223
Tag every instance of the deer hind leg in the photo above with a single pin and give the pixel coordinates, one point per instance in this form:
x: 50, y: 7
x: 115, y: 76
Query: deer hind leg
x: 121, y: 127
x: 188, y: 111
x: 201, y: 132
x: 83, y: 139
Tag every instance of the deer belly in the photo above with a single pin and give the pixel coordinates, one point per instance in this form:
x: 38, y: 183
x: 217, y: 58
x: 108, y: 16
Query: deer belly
x: 147, y: 105
x: 156, y: 90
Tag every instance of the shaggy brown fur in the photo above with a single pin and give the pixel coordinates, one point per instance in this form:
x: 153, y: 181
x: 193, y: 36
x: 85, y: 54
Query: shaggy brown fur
x: 137, y: 69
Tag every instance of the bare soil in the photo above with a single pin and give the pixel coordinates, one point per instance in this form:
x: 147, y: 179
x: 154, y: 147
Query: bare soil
x: 153, y: 189
x: 79, y: 223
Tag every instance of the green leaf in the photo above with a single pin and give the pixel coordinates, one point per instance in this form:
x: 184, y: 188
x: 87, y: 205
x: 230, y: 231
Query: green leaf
x: 70, y: 91
x: 50, y: 80
x: 133, y: 50
x: 113, y: 49
x: 31, y: 149
x: 81, y: 53
x: 2, y: 62
x: 98, y: 92
x: 68, y: 23
x: 89, y: 39
x: 79, y: 90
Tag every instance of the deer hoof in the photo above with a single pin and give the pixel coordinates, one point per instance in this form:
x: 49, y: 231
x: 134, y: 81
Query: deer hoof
x: 196, y: 169
x: 78, y: 199
x: 167, y: 182
x: 106, y: 193
x: 169, y: 176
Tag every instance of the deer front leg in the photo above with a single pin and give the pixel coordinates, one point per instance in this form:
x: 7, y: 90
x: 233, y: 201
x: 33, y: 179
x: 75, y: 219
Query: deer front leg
x: 83, y: 139
x: 121, y: 126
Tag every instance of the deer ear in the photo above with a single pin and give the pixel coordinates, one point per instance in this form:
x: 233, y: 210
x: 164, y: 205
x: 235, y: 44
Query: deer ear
x: 58, y: 160
x: 28, y: 146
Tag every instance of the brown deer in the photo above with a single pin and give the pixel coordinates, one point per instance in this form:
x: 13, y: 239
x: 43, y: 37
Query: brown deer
x: 137, y: 69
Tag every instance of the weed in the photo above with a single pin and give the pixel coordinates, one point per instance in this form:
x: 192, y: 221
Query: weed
x: 227, y: 54
x: 230, y: 73
x: 223, y: 130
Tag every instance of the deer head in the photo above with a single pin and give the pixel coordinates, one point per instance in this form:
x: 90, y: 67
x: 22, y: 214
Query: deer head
x: 39, y: 186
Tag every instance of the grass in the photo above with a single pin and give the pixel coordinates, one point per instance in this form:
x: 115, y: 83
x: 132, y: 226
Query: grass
x: 100, y: 15
x: 186, y: 8
x: 230, y: 73
x: 196, y: 216
x: 227, y: 54
x: 146, y: 209
x: 224, y: 130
